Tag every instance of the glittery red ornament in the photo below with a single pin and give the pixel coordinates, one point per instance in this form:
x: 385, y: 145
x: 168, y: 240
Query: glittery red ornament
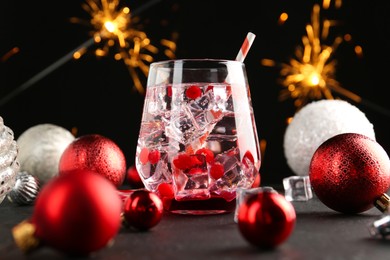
x: 77, y: 213
x: 133, y: 178
x: 349, y: 172
x: 142, y: 210
x: 96, y: 153
x: 266, y: 219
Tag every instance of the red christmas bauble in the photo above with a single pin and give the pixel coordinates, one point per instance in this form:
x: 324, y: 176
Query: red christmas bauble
x: 96, y: 153
x: 266, y: 219
x: 142, y: 210
x: 77, y: 213
x: 349, y: 172
x: 133, y: 178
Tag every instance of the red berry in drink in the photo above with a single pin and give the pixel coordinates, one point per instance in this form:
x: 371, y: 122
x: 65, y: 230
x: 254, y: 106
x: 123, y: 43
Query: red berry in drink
x: 207, y: 153
x: 248, y: 159
x: 257, y: 181
x: 216, y: 170
x: 194, y: 171
x: 143, y: 155
x: 193, y: 92
x: 182, y: 161
x: 169, y: 91
x: 209, y: 87
x: 154, y: 156
x: 165, y: 190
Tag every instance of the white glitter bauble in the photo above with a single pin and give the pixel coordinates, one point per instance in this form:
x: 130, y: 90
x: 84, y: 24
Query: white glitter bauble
x: 314, y: 124
x: 9, y: 165
x: 40, y: 149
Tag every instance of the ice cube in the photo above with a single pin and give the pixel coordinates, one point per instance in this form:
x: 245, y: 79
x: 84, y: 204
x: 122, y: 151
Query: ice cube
x: 181, y: 127
x: 381, y: 227
x: 232, y: 175
x: 297, y: 188
x: 191, y: 176
x: 156, y: 101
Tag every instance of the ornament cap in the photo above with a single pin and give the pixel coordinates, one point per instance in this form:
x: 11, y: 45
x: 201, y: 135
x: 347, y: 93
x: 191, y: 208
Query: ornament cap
x: 382, y: 203
x: 23, y: 234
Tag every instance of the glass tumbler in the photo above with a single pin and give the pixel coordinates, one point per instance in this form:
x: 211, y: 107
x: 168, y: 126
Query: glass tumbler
x: 198, y: 140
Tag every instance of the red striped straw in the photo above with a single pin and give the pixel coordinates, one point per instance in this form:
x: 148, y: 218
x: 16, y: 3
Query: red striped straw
x: 246, y: 45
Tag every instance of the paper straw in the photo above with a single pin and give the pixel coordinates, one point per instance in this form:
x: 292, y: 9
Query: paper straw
x: 246, y: 45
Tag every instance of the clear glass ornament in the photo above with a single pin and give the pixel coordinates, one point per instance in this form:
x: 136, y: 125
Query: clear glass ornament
x: 9, y: 165
x: 25, y: 190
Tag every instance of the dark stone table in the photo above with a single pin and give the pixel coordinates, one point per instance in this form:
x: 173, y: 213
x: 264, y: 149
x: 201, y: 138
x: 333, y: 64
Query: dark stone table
x: 319, y: 233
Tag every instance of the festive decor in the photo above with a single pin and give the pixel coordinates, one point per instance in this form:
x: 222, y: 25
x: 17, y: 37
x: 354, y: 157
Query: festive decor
x: 143, y: 210
x: 266, y: 219
x: 297, y: 188
x: 317, y: 122
x: 311, y: 74
x: 96, y: 153
x: 40, y: 149
x: 380, y: 227
x: 115, y: 31
x: 9, y: 164
x: 76, y: 214
x: 349, y: 172
x: 243, y: 193
x: 25, y: 190
x: 133, y: 178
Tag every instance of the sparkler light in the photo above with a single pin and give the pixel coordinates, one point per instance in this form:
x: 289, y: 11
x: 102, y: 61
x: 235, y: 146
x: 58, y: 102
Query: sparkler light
x: 9, y: 54
x: 114, y: 30
x: 311, y: 74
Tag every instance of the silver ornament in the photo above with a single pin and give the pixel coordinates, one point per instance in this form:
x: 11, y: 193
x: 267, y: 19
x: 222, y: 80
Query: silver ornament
x: 314, y: 124
x: 9, y: 165
x: 25, y: 190
x: 40, y: 149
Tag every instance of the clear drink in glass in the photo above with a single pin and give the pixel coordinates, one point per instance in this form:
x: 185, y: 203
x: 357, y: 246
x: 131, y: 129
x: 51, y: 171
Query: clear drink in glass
x: 198, y: 140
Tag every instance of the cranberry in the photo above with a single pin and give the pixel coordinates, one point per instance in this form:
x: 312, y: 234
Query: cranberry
x: 216, y: 170
x: 194, y: 171
x: 182, y: 161
x: 169, y: 91
x: 207, y: 153
x: 165, y: 190
x: 248, y: 157
x: 154, y: 156
x: 143, y: 155
x: 193, y: 92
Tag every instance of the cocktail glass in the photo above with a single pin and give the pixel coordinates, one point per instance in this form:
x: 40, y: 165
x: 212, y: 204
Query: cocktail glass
x: 198, y: 140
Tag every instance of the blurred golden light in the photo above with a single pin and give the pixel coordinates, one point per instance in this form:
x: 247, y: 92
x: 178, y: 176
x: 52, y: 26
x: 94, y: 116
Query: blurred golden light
x: 9, y: 54
x: 311, y: 73
x: 282, y: 18
x: 115, y: 31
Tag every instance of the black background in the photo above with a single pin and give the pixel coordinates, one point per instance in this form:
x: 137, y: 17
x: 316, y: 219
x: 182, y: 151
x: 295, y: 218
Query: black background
x: 96, y: 95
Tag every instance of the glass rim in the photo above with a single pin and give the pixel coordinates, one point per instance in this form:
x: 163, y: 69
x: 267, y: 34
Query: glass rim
x: 195, y: 60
